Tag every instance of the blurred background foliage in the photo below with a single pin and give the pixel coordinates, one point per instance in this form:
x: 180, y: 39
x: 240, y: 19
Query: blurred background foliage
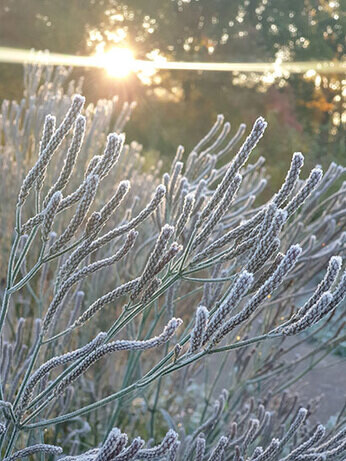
x: 306, y: 112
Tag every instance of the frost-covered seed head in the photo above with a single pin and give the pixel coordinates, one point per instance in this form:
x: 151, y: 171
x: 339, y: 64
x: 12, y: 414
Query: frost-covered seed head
x: 113, y: 445
x: 148, y: 293
x: 189, y: 202
x: 70, y: 159
x: 39, y: 448
x: 154, y: 259
x: 92, y: 183
x: 268, y: 454
x: 48, y: 130
x: 115, y: 201
x: 92, y: 165
x: 129, y: 453
x: 220, y: 210
x: 120, y: 345
x: 240, y: 288
x: 38, y: 170
x: 92, y: 224
x: 311, y: 183
x: 267, y: 288
x: 200, y: 448
x: 49, y: 214
x: 162, y: 449
x: 295, y: 425
x: 111, y: 154
x: 243, y: 154
x: 291, y: 179
x: 313, y: 315
x: 201, y: 319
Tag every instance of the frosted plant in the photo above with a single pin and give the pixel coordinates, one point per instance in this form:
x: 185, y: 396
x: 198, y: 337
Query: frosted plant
x: 242, y: 442
x: 38, y: 170
x: 149, y: 270
x: 70, y: 160
x: 290, y: 180
x: 106, y: 259
x: 198, y: 331
x: 54, y: 363
x: 240, y: 287
x: 40, y: 448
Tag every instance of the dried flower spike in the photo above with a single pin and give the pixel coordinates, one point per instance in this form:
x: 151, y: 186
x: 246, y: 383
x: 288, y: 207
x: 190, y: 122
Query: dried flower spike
x: 40, y: 166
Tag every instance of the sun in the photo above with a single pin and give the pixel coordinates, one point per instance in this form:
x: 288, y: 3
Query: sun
x: 118, y: 62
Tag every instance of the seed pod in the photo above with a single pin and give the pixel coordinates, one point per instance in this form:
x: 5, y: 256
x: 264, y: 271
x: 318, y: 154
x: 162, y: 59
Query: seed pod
x: 333, y: 270
x: 313, y: 315
x: 48, y: 130
x: 220, y: 210
x: 186, y: 213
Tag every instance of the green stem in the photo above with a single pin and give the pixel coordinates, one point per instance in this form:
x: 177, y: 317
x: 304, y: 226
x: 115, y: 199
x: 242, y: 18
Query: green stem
x: 131, y: 365
x: 24, y: 252
x: 33, y: 271
x: 65, y: 250
x: 216, y: 280
x: 187, y: 250
x: 4, y: 307
x: 81, y: 411
x: 143, y: 382
x: 217, y: 377
x: 244, y: 343
x: 12, y: 441
x: 28, y: 371
x: 156, y: 400
x: 7, y: 295
x: 119, y: 324
x: 58, y: 335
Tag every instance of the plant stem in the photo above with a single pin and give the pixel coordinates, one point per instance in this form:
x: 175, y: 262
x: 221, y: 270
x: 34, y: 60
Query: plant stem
x: 6, y: 297
x: 156, y: 400
x: 142, y: 382
x: 213, y: 387
x: 28, y: 371
x: 24, y: 252
x: 11, y: 442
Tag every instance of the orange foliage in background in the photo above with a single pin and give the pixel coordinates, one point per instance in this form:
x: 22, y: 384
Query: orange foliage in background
x: 320, y: 104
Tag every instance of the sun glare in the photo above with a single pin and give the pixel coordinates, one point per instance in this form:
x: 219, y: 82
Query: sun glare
x: 118, y: 62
